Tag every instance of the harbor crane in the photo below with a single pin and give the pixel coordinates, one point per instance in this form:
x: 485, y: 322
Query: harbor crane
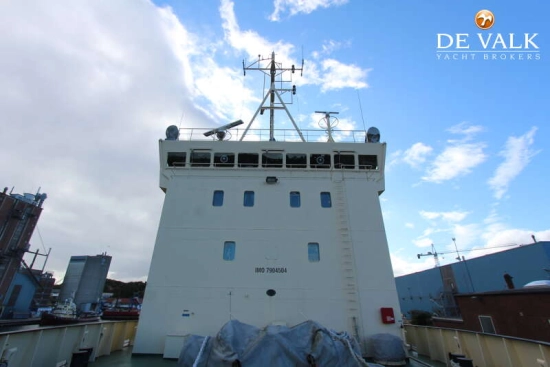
x: 431, y: 253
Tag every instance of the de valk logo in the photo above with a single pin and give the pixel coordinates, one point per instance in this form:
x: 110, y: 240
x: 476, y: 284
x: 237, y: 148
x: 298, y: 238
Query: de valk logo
x: 487, y: 45
x: 484, y: 19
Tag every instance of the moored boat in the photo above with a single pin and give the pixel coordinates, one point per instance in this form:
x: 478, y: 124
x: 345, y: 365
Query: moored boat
x: 66, y: 314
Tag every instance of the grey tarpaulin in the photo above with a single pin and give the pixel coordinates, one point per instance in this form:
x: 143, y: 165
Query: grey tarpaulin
x: 388, y: 349
x: 300, y: 345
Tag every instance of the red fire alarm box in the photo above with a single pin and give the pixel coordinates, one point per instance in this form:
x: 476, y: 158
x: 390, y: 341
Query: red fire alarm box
x: 387, y: 315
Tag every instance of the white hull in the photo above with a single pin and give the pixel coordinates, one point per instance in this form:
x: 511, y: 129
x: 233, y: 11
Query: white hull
x: 191, y: 289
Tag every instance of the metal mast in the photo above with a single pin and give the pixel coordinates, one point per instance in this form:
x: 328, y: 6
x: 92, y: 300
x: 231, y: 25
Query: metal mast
x: 275, y: 72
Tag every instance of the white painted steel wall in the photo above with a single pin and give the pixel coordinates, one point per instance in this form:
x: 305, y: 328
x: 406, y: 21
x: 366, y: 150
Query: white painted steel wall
x: 192, y: 290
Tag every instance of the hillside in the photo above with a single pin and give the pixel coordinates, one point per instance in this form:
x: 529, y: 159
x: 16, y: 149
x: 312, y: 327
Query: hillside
x: 124, y: 290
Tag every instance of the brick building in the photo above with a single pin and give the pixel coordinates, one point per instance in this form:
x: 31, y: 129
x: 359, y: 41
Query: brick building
x: 18, y: 217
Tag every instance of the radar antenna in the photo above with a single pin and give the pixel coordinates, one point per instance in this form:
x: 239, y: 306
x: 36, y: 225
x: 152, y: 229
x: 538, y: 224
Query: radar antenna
x: 275, y: 72
x: 328, y: 125
x: 222, y: 130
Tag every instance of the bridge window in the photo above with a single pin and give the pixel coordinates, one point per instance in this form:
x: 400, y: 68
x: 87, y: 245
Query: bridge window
x: 200, y: 159
x: 294, y: 199
x: 368, y: 161
x: 248, y: 160
x: 326, y: 201
x: 217, y: 199
x: 229, y: 250
x: 346, y: 161
x: 296, y: 160
x: 272, y: 160
x: 176, y: 159
x: 248, y: 198
x: 224, y: 159
x: 319, y: 160
x: 313, y: 254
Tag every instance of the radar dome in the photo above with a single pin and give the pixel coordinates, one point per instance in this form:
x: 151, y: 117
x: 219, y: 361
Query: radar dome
x: 172, y: 132
x: 373, y: 135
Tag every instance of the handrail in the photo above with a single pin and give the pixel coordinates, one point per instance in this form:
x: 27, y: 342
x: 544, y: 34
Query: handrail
x: 486, y: 350
x: 54, y: 346
x: 286, y: 135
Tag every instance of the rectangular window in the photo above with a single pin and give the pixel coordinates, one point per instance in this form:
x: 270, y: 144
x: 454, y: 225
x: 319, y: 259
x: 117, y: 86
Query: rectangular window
x: 217, y: 200
x: 248, y: 198
x: 487, y: 325
x: 346, y: 161
x: 229, y: 251
x: 326, y: 201
x: 176, y: 159
x: 296, y: 160
x: 248, y: 160
x: 313, y: 254
x: 224, y: 159
x: 368, y: 161
x: 272, y: 160
x: 294, y: 199
x: 319, y: 160
x: 200, y: 159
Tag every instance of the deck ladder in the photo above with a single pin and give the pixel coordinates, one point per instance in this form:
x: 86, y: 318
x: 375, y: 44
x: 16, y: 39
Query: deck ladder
x: 349, y: 280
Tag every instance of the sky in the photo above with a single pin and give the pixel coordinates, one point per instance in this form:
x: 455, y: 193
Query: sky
x: 88, y: 87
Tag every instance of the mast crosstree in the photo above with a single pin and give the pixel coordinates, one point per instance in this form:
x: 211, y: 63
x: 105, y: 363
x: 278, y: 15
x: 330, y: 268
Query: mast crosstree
x: 275, y: 71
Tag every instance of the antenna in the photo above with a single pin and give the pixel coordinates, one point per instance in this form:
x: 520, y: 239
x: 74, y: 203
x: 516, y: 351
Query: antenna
x: 275, y: 72
x: 328, y: 124
x: 222, y: 130
x: 361, y: 109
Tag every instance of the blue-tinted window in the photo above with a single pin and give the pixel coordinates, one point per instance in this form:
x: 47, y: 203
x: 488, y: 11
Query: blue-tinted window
x: 294, y: 199
x: 229, y: 250
x: 217, y: 200
x: 313, y: 254
x: 248, y: 198
x: 326, y: 201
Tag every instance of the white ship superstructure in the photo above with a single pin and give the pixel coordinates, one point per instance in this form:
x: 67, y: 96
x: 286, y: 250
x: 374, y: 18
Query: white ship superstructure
x: 268, y: 232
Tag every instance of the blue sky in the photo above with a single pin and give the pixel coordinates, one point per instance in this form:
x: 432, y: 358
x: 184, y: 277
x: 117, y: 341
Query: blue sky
x: 88, y: 88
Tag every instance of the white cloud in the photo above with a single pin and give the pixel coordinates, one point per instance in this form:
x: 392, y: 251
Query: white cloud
x: 330, y: 74
x: 329, y: 47
x: 249, y: 41
x: 466, y: 129
x: 517, y: 154
x: 339, y: 75
x: 407, y: 265
x: 455, y: 161
x: 454, y: 216
x: 301, y: 6
x: 416, y: 154
x: 409, y: 225
x: 423, y: 242
x: 393, y: 159
x: 499, y: 237
x: 459, y: 157
x: 89, y: 88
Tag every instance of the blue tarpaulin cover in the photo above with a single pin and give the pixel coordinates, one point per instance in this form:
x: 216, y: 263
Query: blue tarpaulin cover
x: 306, y: 344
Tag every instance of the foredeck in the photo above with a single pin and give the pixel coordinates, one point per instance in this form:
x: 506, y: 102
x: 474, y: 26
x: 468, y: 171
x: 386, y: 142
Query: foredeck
x: 124, y: 358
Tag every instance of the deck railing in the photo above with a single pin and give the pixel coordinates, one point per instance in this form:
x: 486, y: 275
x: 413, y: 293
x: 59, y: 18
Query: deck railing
x: 55, y: 346
x: 485, y: 350
x: 290, y: 135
